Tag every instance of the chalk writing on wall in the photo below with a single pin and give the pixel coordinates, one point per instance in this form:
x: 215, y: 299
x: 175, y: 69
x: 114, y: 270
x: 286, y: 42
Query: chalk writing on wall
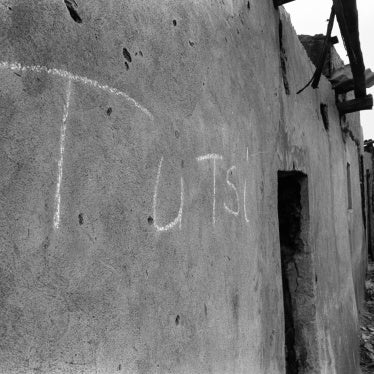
x: 178, y: 219
x: 15, y: 66
x: 233, y: 209
x: 245, y: 195
x: 214, y: 157
x: 236, y: 212
x: 56, y: 217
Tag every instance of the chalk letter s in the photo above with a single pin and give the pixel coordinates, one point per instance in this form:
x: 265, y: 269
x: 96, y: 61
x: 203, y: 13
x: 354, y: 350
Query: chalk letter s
x: 235, y: 213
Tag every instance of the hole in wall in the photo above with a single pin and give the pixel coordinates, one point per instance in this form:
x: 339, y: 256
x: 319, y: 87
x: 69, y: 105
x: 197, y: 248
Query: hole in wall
x: 248, y: 5
x: 71, y: 5
x: 325, y: 115
x: 298, y: 274
x: 126, y: 54
x: 80, y: 218
x: 150, y: 220
x: 235, y: 305
x: 283, y: 59
x: 177, y: 319
x: 109, y: 111
x: 349, y: 186
x: 362, y: 186
x: 174, y: 22
x: 46, y: 243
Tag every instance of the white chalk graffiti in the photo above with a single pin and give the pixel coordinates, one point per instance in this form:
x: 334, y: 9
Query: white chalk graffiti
x: 233, y: 212
x: 15, y: 66
x: 244, y: 202
x: 56, y: 217
x: 178, y: 219
x: 245, y: 195
x: 214, y: 157
x: 231, y: 185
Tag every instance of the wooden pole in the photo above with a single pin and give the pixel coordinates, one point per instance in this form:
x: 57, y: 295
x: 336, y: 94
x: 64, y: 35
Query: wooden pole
x: 355, y: 105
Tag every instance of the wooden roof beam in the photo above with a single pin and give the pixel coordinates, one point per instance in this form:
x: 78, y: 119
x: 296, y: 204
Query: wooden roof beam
x: 278, y: 3
x: 347, y: 16
x: 326, y: 46
x: 355, y: 105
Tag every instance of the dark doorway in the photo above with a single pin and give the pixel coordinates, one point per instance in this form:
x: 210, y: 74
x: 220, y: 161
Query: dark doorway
x: 369, y: 217
x: 298, y: 275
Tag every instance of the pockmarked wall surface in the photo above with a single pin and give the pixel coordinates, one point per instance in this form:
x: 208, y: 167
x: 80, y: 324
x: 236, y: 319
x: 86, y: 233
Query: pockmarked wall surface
x: 140, y: 144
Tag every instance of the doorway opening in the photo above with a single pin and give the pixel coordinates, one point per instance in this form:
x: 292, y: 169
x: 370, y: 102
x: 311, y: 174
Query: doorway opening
x: 298, y: 274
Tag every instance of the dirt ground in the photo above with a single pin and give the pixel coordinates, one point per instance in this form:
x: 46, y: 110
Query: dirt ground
x: 367, y: 325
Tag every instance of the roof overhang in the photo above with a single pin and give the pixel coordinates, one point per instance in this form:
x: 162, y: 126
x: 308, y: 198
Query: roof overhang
x: 347, y: 17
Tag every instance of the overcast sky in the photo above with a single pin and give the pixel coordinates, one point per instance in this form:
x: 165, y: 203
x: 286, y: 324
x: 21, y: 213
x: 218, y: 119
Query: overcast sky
x: 311, y: 18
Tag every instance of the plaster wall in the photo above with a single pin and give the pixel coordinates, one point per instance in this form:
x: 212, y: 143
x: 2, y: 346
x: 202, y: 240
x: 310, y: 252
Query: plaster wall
x: 138, y: 189
x: 357, y: 233
x: 368, y: 163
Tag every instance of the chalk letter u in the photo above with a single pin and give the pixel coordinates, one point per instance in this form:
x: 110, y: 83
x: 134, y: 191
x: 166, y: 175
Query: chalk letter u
x: 178, y: 219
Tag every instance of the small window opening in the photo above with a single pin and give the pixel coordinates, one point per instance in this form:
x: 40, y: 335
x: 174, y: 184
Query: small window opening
x: 349, y: 187
x: 72, y: 8
x: 325, y: 115
x: 298, y: 275
x: 362, y: 187
x: 283, y: 59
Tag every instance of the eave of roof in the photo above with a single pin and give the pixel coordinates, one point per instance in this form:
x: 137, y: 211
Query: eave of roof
x: 347, y: 16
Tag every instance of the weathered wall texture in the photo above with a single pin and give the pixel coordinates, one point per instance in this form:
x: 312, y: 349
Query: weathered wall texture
x: 138, y: 207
